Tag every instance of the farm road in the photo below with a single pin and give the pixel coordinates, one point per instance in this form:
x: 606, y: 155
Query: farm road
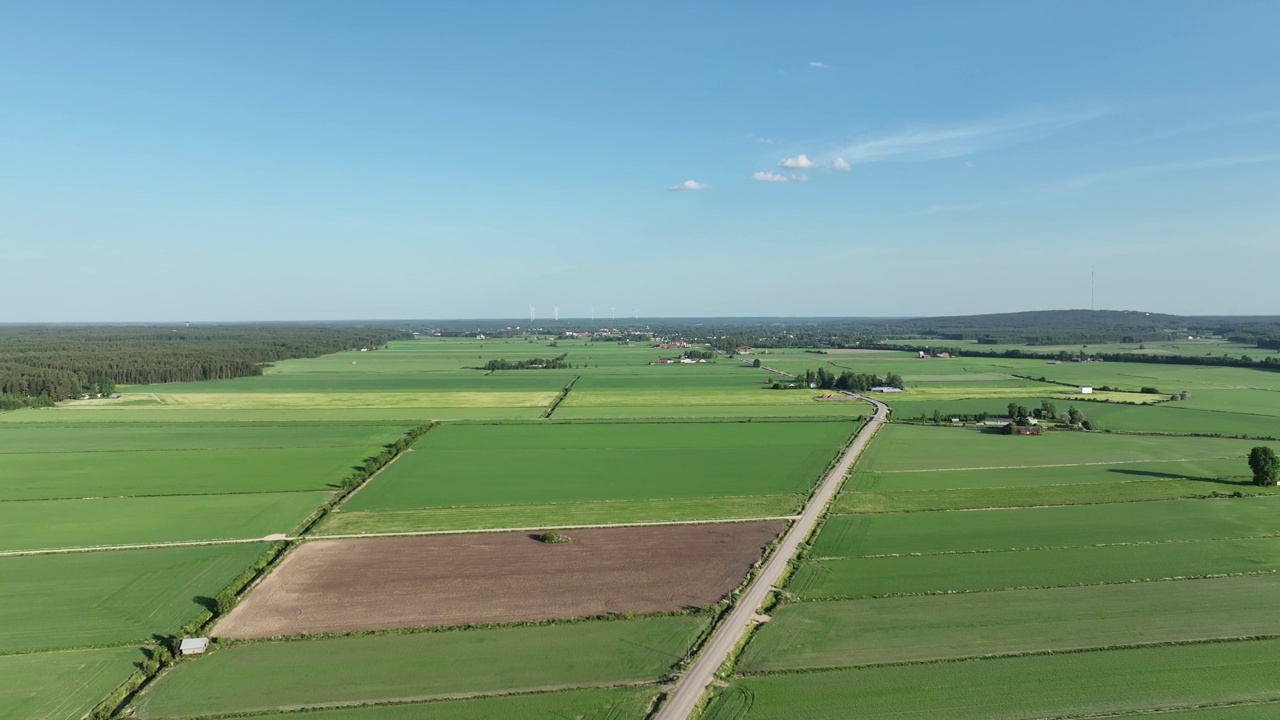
x: 691, y: 686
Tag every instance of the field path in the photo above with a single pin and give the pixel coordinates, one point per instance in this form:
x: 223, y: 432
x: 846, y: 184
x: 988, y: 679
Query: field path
x: 689, y: 689
x: 144, y: 546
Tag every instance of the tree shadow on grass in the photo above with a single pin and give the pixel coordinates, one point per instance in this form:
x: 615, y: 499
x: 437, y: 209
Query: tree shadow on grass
x: 1175, y: 476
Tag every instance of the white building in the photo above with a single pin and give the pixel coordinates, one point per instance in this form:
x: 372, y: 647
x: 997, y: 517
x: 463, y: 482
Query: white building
x: 193, y: 646
x: 1086, y: 389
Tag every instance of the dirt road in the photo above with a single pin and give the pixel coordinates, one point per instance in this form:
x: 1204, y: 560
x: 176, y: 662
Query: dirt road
x: 693, y: 683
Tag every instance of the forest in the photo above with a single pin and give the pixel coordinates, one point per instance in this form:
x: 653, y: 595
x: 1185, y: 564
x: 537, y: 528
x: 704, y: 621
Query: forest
x: 43, y: 365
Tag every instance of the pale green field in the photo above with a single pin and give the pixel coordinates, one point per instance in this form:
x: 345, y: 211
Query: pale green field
x: 61, y: 685
x: 1066, y: 685
x: 271, y: 676
x: 622, y: 703
x: 897, y: 448
x: 111, y: 597
x: 979, y: 571
x: 846, y: 633
x: 48, y: 524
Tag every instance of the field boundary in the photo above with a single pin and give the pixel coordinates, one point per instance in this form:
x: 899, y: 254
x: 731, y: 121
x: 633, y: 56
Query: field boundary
x: 322, y: 512
x: 560, y: 398
x: 535, y: 528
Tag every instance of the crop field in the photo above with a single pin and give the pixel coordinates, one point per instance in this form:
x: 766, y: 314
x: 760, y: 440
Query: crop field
x: 368, y: 669
x: 1089, y: 565
x: 48, y: 524
x: 622, y: 512
x: 1082, y: 684
x: 333, y: 586
x: 110, y: 598
x: 846, y: 633
x: 42, y: 476
x: 1074, y: 583
x: 60, y: 685
x: 961, y: 573
x: 72, y: 438
x: 1041, y: 496
x: 1047, y: 527
x: 621, y: 703
x: 612, y: 467
x: 1207, y: 471
x: 896, y: 447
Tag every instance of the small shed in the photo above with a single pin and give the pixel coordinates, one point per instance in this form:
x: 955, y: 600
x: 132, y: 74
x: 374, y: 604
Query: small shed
x: 885, y: 389
x: 1086, y: 389
x: 193, y: 646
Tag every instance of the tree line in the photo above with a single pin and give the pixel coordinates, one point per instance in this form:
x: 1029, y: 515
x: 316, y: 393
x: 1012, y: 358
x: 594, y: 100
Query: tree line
x: 43, y: 365
x: 847, y: 380
x: 559, y: 362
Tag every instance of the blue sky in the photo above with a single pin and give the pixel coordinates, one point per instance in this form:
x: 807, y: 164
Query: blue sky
x: 324, y: 160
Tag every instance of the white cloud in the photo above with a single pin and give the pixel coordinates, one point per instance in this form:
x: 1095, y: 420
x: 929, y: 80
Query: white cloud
x: 766, y: 141
x: 689, y: 185
x: 921, y: 144
x: 819, y: 65
x: 769, y: 176
x: 799, y: 162
x: 841, y: 164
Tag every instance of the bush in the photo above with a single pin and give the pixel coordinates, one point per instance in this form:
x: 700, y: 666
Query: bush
x: 553, y: 537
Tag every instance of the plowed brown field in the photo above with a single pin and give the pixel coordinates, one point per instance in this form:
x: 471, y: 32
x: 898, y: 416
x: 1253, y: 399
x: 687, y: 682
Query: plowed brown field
x: 330, y: 586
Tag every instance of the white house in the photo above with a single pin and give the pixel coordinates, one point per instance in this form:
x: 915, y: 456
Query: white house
x: 1086, y: 389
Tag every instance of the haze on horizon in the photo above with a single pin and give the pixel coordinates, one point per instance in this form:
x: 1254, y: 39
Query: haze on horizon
x: 328, y: 160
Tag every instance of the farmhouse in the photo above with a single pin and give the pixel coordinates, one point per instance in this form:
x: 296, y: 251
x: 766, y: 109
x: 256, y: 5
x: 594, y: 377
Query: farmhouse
x: 885, y: 389
x: 1086, y: 389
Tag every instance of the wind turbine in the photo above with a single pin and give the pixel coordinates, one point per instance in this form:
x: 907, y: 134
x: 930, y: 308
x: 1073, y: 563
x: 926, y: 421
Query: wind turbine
x: 532, y: 310
x: 636, y: 311
x: 593, y: 313
x: 556, y: 310
x: 613, y: 312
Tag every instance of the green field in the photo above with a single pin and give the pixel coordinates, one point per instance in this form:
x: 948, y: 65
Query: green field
x: 110, y: 597
x: 1048, y: 686
x: 1031, y: 528
x: 625, y: 703
x: 844, y: 633
x: 489, y: 517
x: 72, y: 438
x: 378, y: 668
x: 177, y: 472
x: 897, y: 449
x: 496, y: 465
x: 1234, y: 469
x: 968, y: 572
x: 1084, y: 494
x: 61, y: 685
x: 48, y: 524
x: 1108, y: 530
